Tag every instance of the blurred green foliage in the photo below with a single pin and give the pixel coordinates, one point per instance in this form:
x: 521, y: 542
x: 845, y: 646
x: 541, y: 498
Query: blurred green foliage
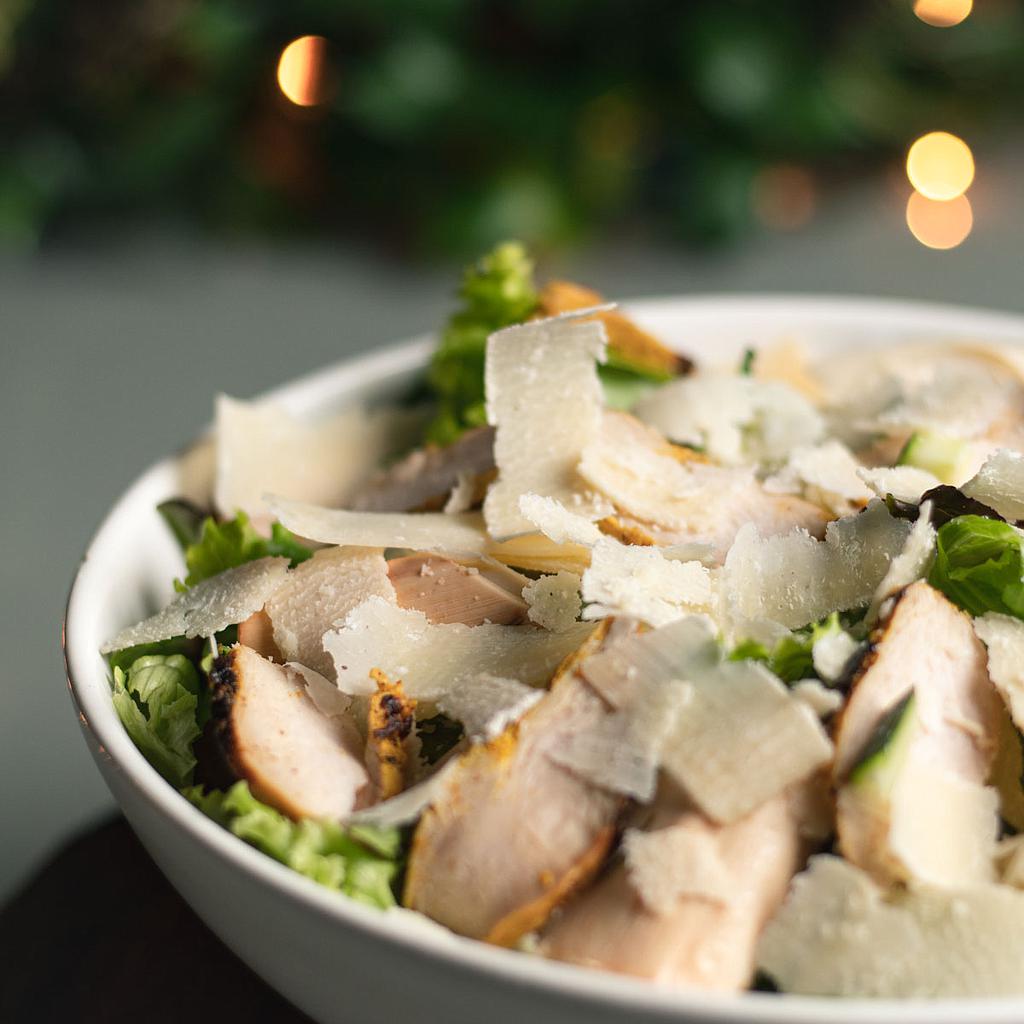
x: 449, y: 123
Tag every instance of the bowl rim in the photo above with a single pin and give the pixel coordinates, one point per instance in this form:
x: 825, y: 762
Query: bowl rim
x: 90, y: 697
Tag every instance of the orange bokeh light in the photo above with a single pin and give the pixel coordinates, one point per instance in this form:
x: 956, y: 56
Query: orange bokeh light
x: 942, y: 13
x: 939, y: 225
x: 300, y: 70
x: 940, y: 166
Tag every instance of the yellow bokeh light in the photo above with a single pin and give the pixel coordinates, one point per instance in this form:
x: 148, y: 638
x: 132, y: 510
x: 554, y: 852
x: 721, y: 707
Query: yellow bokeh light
x: 300, y: 70
x: 942, y: 13
x: 939, y: 225
x: 940, y: 166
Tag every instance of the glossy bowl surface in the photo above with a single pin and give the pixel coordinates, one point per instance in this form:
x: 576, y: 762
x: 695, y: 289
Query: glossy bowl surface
x: 342, y: 962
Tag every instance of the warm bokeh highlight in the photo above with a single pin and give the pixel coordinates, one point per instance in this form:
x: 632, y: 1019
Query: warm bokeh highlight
x: 937, y: 224
x: 300, y: 70
x: 940, y: 166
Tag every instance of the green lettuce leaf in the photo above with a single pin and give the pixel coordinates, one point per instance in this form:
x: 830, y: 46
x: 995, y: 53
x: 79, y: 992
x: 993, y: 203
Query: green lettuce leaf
x: 791, y: 659
x: 979, y: 565
x: 221, y: 546
x: 361, y: 861
x: 497, y: 291
x: 156, y: 699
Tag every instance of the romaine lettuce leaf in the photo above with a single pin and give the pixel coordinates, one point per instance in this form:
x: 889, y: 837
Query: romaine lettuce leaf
x: 221, y: 546
x: 156, y: 699
x: 792, y: 657
x: 979, y: 565
x: 496, y: 292
x: 361, y: 861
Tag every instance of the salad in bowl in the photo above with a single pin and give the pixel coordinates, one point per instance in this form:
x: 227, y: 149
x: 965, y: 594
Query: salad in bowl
x: 710, y: 675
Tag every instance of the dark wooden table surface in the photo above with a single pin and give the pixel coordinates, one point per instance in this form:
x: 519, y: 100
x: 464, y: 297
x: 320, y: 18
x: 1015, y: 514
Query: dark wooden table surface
x: 100, y: 937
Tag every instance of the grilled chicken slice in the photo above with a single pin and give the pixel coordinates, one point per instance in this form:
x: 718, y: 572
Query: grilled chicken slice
x: 675, y: 496
x: 294, y: 758
x: 628, y: 343
x: 687, y: 904
x: 389, y: 727
x: 449, y: 591
x: 512, y: 834
x: 257, y: 633
x: 425, y: 478
x: 922, y: 706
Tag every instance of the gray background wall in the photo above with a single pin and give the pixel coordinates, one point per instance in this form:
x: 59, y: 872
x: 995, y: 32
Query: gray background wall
x: 112, y: 347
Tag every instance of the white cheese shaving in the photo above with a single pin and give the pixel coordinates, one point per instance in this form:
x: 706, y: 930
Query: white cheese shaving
x: 622, y: 751
x: 665, y: 865
x: 487, y: 704
x: 793, y: 579
x: 831, y: 654
x: 638, y: 581
x: 1004, y: 638
x: 557, y: 522
x: 429, y: 531
x: 544, y: 397
x: 818, y: 697
x: 735, y: 419
x: 210, y: 606
x: 1000, y: 484
x: 554, y: 601
x: 838, y: 934
x: 329, y: 700
x: 624, y: 671
x: 944, y: 827
x: 462, y: 494
x: 741, y: 739
x: 261, y: 448
x: 318, y: 594
x: 825, y: 473
x: 639, y: 675
x: 910, y: 565
x: 433, y: 659
x: 904, y: 483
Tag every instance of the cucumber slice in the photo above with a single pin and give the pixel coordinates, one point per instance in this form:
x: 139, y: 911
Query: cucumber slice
x: 941, y: 455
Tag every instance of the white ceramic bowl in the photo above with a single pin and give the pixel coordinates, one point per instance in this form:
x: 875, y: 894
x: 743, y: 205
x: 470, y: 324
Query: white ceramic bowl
x: 340, y: 961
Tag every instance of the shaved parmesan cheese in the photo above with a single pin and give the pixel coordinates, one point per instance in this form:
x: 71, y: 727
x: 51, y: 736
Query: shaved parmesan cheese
x: 557, y: 522
x: 545, y: 399
x: 910, y: 565
x: 318, y: 594
x: 831, y: 654
x: 210, y: 606
x: 261, y: 448
x: 944, y: 827
x: 684, y: 860
x: 621, y: 752
x: 432, y: 660
x: 486, y: 704
x: 904, y: 483
x: 554, y: 601
x: 827, y: 473
x: 462, y: 495
x: 735, y: 419
x: 1004, y: 638
x: 624, y: 670
x: 819, y: 698
x: 329, y: 700
x: 838, y: 934
x: 741, y: 739
x: 1000, y: 484
x: 639, y: 675
x: 638, y: 581
x: 794, y: 579
x: 428, y: 531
